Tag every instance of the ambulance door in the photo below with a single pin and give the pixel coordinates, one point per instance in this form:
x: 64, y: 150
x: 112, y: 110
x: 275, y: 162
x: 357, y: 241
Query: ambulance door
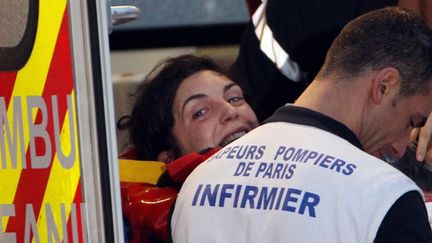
x: 58, y: 167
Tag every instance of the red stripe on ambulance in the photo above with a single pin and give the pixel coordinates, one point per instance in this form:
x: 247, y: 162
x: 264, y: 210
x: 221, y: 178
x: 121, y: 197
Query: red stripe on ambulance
x: 75, y: 223
x: 7, y: 80
x: 59, y: 84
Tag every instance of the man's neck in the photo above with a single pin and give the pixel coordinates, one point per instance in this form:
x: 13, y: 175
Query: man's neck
x: 336, y: 101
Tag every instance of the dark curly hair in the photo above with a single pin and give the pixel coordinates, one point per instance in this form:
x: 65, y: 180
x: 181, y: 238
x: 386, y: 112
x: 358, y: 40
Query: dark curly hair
x: 151, y: 121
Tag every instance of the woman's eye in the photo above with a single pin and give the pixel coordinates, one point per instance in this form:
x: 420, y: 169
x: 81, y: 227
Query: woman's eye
x: 235, y: 99
x: 199, y: 113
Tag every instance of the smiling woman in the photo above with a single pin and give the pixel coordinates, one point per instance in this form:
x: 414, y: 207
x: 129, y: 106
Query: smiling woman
x: 186, y: 104
x: 210, y: 111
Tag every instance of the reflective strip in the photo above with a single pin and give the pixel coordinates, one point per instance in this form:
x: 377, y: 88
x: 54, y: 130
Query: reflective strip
x: 140, y: 171
x: 62, y: 183
x: 32, y: 78
x: 7, y: 84
x: 429, y: 210
x: 271, y: 47
x: 30, y: 81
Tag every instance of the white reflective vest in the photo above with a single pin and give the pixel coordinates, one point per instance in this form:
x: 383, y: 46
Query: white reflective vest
x: 290, y: 183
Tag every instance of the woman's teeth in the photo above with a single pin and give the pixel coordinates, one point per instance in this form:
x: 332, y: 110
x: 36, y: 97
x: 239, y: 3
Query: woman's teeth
x: 231, y: 138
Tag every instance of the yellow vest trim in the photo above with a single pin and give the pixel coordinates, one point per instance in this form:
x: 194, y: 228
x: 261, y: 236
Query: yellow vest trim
x: 140, y: 171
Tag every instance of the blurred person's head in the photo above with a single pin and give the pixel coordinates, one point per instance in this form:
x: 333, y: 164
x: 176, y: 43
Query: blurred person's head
x: 187, y: 104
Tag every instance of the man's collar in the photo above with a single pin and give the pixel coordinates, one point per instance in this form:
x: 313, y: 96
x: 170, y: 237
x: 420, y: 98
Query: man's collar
x: 304, y: 116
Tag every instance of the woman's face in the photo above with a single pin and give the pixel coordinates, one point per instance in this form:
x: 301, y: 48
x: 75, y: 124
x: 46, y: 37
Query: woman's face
x: 210, y: 111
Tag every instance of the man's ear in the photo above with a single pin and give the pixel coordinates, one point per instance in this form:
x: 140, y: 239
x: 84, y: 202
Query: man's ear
x: 385, y: 81
x: 166, y: 156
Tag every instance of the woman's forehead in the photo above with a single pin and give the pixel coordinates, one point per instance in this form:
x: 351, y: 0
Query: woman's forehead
x: 200, y: 85
x: 203, y: 81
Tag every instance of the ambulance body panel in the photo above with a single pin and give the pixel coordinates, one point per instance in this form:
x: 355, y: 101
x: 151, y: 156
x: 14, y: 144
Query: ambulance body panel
x: 57, y: 146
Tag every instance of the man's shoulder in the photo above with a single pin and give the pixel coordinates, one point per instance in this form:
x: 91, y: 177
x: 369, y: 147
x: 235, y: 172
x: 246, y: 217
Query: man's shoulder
x: 406, y: 221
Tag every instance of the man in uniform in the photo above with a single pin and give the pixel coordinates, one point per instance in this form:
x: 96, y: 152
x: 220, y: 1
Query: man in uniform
x: 308, y: 174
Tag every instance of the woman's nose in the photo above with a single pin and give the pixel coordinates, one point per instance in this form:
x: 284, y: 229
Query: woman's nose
x: 229, y: 112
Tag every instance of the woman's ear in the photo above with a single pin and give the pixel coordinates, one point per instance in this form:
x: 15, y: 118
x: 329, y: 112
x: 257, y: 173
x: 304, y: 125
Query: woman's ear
x: 166, y: 156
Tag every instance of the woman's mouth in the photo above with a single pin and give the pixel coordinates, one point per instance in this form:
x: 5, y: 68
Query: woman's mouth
x: 230, y: 138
